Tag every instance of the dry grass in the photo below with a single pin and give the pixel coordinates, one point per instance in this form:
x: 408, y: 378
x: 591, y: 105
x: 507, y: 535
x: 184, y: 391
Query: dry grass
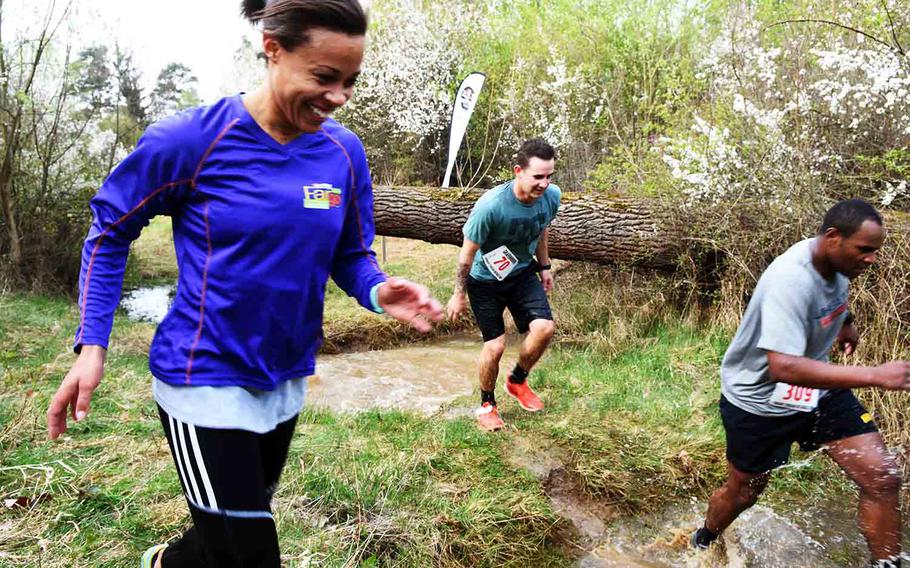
x: 881, y: 301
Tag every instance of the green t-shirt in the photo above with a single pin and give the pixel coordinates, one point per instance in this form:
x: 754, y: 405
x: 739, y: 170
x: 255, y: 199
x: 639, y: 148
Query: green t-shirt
x: 499, y: 218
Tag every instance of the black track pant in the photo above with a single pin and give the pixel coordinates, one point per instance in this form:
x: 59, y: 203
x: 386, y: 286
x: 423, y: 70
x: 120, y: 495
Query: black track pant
x: 228, y: 479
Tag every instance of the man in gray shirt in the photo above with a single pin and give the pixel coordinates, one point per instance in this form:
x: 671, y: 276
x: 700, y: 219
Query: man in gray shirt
x: 778, y: 386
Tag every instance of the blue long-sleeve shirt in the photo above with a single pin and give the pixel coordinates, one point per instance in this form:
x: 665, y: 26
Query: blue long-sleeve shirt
x: 258, y: 229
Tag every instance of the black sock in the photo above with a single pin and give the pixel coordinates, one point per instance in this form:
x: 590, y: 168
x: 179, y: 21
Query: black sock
x: 704, y: 537
x: 518, y: 375
x: 487, y: 396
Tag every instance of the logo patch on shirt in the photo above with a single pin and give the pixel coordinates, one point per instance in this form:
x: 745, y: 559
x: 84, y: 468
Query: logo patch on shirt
x: 829, y: 319
x: 321, y: 196
x: 866, y: 418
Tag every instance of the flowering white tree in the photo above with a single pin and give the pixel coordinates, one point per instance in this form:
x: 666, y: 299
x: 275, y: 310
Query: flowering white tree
x: 409, y: 69
x: 807, y: 108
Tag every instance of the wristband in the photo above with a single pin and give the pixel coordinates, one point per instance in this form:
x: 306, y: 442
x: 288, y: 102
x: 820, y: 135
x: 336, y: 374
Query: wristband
x: 374, y: 298
x: 541, y: 267
x: 849, y: 318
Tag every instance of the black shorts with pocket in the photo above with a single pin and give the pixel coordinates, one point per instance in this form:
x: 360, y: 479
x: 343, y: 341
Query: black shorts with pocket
x: 756, y: 444
x: 522, y: 293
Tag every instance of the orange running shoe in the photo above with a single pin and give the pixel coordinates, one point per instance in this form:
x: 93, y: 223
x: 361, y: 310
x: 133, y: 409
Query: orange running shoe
x: 488, y: 418
x: 524, y: 395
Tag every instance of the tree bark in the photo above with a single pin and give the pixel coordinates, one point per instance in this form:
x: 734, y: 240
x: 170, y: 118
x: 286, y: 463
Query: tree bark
x: 6, y: 197
x: 589, y: 227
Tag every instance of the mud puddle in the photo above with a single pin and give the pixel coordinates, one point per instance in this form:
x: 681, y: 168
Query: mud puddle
x: 760, y: 538
x: 823, y: 536
x: 419, y: 378
x: 588, y: 516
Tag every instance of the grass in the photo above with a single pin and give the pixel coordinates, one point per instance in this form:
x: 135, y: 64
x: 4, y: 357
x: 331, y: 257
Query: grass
x: 631, y: 390
x: 395, y: 487
x: 389, y: 488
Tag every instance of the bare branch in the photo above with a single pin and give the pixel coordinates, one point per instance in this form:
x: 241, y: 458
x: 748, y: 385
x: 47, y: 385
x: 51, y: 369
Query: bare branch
x: 897, y: 42
x: 835, y: 24
x: 2, y: 54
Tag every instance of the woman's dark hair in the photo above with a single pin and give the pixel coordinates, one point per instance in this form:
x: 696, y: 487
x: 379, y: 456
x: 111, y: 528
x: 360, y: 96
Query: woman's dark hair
x: 847, y: 216
x: 289, y: 21
x: 534, y: 148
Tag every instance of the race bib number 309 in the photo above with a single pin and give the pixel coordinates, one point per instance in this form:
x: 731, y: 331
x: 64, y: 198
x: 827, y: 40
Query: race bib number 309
x: 500, y: 262
x: 804, y: 399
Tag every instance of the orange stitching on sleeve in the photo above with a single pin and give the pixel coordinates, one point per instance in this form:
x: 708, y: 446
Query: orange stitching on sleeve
x: 91, y: 262
x: 363, y: 243
x: 208, y: 256
x: 205, y: 280
x: 211, y: 147
x: 149, y: 197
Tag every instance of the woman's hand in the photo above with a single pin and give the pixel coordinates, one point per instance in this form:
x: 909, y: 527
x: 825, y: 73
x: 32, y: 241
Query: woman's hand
x: 409, y: 303
x: 76, y: 390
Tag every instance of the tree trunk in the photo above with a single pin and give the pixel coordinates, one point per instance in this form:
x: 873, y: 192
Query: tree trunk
x: 589, y: 227
x: 6, y: 200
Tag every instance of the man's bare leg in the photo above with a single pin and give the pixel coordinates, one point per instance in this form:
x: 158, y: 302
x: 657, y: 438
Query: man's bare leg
x: 540, y: 332
x: 489, y: 362
x: 487, y: 415
x: 865, y: 459
x: 740, y: 492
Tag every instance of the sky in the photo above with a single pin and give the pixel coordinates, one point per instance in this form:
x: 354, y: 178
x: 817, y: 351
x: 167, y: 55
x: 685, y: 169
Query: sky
x: 201, y: 34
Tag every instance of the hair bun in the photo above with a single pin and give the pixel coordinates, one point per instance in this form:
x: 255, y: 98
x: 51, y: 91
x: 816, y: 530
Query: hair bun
x: 250, y: 8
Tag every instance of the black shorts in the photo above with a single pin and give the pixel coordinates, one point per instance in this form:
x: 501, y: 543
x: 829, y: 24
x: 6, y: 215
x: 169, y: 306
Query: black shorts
x: 522, y: 293
x: 756, y: 444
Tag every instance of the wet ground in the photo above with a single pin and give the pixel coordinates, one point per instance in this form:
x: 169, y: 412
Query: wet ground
x: 422, y: 377
x: 818, y: 537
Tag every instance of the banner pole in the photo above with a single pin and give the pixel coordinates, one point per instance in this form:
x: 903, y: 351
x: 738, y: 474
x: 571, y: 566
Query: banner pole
x: 463, y: 107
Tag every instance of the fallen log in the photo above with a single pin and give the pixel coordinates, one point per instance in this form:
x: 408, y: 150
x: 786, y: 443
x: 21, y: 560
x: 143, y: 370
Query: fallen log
x: 589, y: 227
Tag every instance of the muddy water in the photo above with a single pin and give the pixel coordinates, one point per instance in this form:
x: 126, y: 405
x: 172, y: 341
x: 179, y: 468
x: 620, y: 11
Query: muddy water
x: 417, y: 377
x: 760, y: 538
x: 819, y: 536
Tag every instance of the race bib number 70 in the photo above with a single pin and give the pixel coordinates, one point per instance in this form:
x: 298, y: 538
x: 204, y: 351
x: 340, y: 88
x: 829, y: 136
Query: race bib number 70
x: 500, y: 262
x: 804, y: 399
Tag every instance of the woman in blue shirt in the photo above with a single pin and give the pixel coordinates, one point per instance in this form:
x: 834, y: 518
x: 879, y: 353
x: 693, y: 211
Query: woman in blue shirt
x: 269, y: 196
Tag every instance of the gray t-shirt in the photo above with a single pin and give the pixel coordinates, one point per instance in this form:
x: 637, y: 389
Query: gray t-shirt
x: 795, y: 311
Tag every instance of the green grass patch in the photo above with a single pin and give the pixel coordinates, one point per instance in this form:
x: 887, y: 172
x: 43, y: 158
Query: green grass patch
x: 637, y: 426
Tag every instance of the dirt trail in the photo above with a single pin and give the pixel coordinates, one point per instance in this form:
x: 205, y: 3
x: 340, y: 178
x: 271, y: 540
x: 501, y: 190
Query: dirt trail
x: 760, y: 538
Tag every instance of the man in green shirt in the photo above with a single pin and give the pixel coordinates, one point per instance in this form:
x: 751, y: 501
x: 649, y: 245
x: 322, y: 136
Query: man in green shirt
x: 504, y: 249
